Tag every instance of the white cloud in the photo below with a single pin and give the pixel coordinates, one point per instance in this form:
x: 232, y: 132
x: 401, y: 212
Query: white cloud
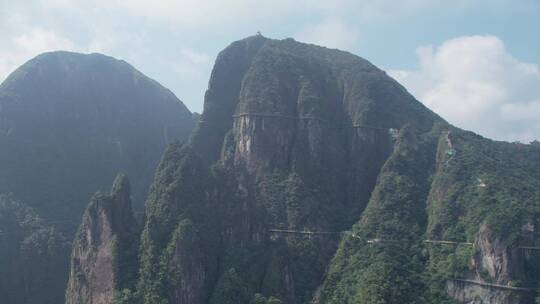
x: 191, y: 70
x: 25, y: 46
x: 38, y: 40
x: 148, y: 32
x: 192, y: 64
x: 332, y: 32
x: 476, y: 84
x: 194, y: 14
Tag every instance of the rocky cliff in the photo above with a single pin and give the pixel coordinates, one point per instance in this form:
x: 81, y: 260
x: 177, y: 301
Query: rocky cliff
x: 292, y: 137
x: 104, y: 250
x: 313, y: 177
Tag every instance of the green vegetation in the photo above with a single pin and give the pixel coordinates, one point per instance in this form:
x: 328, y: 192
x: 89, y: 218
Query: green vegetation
x: 32, y: 252
x: 487, y: 183
x: 105, y: 248
x: 484, y: 183
x: 236, y: 179
x: 357, y: 203
x: 68, y: 123
x: 72, y: 126
x: 230, y: 289
x: 383, y: 263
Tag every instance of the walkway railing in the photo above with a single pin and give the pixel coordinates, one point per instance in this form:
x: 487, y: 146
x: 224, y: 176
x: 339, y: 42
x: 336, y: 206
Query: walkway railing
x: 354, y: 126
x: 500, y: 286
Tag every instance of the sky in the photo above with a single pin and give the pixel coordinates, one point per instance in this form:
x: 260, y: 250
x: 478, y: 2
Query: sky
x: 474, y: 62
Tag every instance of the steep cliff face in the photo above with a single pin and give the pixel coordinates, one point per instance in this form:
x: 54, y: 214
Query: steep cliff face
x: 104, y: 250
x: 292, y: 137
x: 487, y: 194
x: 465, y: 241
x: 312, y: 177
x: 493, y: 263
x: 186, y: 270
x: 379, y: 263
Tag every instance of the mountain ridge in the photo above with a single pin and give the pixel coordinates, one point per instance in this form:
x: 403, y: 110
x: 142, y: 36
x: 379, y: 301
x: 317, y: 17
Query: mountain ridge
x: 382, y: 200
x: 262, y: 152
x: 74, y: 94
x: 69, y: 122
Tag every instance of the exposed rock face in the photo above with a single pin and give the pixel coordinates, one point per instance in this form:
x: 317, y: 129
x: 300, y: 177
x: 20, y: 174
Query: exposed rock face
x: 465, y: 292
x: 313, y: 177
x: 292, y: 137
x: 497, y: 258
x: 494, y: 263
x: 473, y: 200
x: 68, y: 123
x: 103, y: 248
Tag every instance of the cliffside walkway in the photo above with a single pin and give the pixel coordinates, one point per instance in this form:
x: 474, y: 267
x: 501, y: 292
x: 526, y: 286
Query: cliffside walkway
x: 369, y: 241
x: 499, y: 286
x: 354, y: 126
x: 529, y: 248
x: 305, y: 232
x: 433, y: 242
x: 442, y: 242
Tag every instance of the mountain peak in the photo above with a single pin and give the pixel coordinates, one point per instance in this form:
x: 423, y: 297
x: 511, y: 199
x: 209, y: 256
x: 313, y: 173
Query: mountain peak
x: 70, y: 122
x: 121, y: 186
x: 104, y: 250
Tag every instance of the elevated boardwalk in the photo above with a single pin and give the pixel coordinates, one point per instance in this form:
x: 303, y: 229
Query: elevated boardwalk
x: 529, y: 248
x: 305, y: 232
x: 369, y: 241
x: 354, y: 126
x: 442, y: 242
x: 498, y: 286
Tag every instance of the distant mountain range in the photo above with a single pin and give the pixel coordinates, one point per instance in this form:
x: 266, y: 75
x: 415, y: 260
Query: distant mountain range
x: 68, y: 124
x: 310, y: 177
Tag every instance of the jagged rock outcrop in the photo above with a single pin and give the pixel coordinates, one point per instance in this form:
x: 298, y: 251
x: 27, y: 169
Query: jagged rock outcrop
x: 68, y: 123
x: 500, y: 260
x: 470, y: 203
x: 474, y: 198
x: 494, y: 263
x: 103, y: 258
x: 292, y: 137
x: 313, y: 177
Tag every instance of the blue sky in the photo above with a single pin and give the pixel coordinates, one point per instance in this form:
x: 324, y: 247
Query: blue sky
x: 475, y: 62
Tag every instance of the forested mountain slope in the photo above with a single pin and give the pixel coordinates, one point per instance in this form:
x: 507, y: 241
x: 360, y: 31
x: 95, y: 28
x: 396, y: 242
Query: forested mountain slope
x: 68, y: 123
x: 33, y: 256
x: 313, y: 177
